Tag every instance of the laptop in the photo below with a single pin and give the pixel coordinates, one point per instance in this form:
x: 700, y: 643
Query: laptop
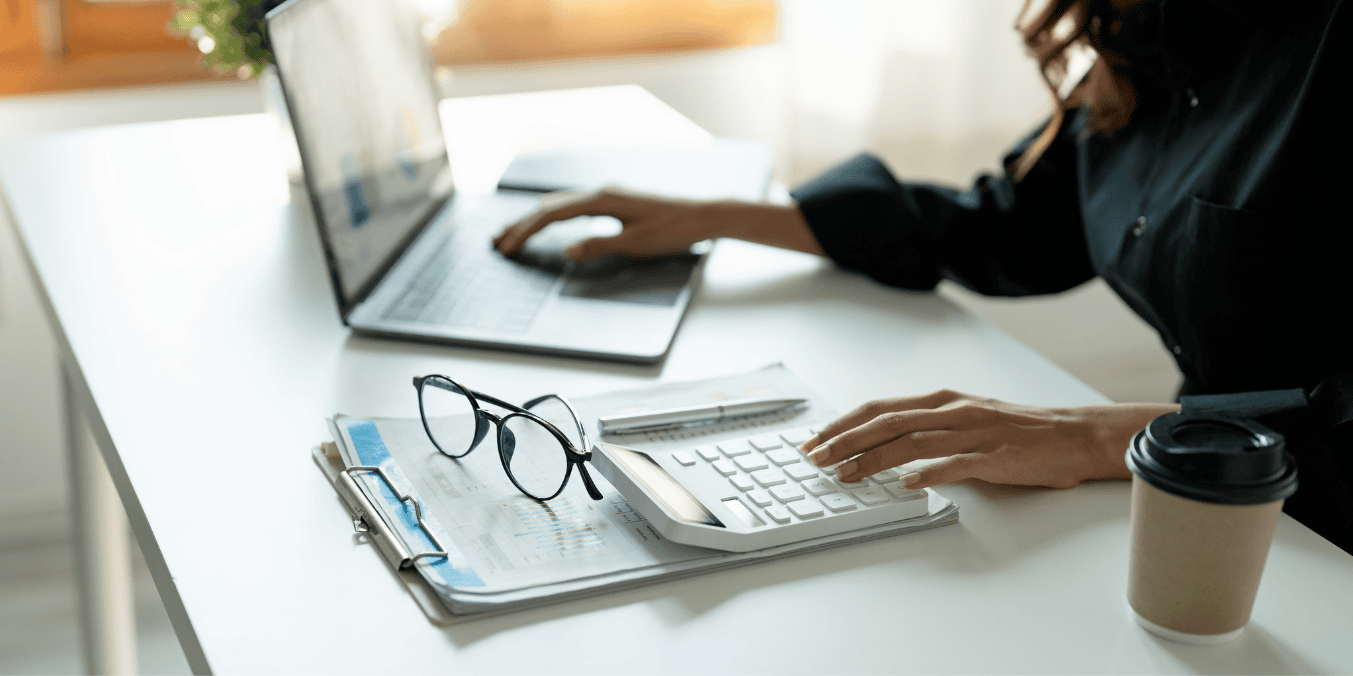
x: 408, y: 257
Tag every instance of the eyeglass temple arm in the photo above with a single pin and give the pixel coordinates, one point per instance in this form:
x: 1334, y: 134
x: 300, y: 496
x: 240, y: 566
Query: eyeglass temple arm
x: 582, y: 433
x: 444, y: 384
x: 498, y: 402
x: 592, y: 490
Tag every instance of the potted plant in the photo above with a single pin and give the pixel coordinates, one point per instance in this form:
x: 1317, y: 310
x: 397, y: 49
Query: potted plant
x: 229, y: 33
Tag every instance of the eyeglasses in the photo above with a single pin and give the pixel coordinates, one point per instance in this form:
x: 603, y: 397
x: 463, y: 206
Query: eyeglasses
x: 538, y: 442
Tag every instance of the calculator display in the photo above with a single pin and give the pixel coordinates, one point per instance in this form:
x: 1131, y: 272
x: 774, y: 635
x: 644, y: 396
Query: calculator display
x: 662, y: 487
x: 740, y: 510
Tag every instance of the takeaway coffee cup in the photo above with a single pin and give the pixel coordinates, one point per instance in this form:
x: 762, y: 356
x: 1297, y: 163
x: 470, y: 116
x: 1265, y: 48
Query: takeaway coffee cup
x: 1206, y: 493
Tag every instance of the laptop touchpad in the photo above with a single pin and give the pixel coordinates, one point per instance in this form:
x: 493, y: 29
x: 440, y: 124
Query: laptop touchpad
x: 648, y: 281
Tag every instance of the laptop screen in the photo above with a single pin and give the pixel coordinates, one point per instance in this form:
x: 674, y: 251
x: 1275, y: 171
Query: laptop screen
x: 360, y: 90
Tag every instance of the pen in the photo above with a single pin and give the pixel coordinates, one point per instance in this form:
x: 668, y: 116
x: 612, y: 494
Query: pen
x: 706, y: 414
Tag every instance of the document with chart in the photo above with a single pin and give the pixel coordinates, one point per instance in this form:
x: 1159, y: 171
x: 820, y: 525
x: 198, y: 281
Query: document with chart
x: 506, y: 551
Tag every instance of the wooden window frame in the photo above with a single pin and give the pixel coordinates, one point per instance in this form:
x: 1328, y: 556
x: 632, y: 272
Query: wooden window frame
x: 56, y: 45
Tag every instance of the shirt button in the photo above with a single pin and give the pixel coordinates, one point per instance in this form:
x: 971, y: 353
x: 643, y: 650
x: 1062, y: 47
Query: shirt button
x: 1141, y: 226
x: 1193, y: 97
x: 1176, y: 349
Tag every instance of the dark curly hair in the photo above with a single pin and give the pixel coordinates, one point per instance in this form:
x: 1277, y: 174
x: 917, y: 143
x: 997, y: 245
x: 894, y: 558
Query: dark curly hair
x: 1052, y: 34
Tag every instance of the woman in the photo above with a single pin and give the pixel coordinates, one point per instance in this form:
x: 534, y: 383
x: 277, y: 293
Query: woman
x: 1199, y: 168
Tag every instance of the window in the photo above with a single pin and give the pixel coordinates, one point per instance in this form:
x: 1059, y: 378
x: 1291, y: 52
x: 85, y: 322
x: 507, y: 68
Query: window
x: 48, y: 45
x: 486, y: 31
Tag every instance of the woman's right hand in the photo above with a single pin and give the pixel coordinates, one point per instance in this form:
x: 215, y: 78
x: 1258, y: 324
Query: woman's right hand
x: 653, y: 226
x: 660, y: 226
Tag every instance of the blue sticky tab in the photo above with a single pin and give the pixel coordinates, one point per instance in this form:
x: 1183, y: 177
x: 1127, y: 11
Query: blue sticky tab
x: 366, y: 440
x: 371, y: 450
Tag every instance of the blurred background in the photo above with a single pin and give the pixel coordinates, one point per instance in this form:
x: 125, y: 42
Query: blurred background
x: 938, y: 89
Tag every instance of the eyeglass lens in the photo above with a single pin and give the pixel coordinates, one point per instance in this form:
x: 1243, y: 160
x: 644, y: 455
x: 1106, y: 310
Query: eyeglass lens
x: 449, y: 416
x: 533, y: 456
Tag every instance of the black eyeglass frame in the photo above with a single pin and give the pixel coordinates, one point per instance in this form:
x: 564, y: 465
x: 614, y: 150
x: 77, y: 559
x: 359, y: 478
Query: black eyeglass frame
x: 573, y: 454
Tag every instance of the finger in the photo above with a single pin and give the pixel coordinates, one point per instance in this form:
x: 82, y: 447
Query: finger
x: 568, y: 205
x: 998, y: 461
x: 637, y: 241
x: 873, y: 409
x: 896, y: 424
x: 598, y: 246
x: 916, y: 446
x: 511, y: 240
x: 948, y: 470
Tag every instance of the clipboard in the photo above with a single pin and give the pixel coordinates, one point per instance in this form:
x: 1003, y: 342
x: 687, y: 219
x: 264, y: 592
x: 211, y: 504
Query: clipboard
x: 457, y: 566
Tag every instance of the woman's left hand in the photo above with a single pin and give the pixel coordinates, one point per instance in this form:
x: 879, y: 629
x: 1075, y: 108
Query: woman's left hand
x: 982, y: 439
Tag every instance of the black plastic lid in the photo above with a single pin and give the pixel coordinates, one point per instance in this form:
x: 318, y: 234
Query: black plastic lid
x: 1213, y: 458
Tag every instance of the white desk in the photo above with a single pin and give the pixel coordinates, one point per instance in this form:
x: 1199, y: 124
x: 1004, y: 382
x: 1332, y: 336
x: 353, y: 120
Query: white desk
x: 196, y: 318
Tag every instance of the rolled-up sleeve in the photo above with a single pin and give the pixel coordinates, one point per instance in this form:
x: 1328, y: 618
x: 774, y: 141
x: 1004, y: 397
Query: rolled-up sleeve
x: 1318, y: 428
x: 1000, y: 237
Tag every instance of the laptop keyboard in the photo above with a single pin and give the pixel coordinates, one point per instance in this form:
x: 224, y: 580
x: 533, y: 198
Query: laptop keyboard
x: 467, y: 284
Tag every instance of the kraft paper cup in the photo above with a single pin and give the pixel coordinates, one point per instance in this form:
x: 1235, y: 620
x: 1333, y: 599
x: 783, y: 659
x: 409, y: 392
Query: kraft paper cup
x: 1206, y: 496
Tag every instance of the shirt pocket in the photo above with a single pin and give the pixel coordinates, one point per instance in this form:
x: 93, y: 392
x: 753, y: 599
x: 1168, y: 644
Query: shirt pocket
x: 1236, y: 276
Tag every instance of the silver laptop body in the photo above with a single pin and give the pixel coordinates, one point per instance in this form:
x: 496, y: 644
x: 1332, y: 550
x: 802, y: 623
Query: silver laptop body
x: 410, y: 259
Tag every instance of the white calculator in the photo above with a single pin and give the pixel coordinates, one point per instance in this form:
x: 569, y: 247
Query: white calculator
x: 751, y: 493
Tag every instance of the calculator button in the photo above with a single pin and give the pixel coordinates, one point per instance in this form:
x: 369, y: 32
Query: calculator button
x: 683, y: 457
x: 819, y: 486
x: 870, y: 496
x: 735, y: 448
x: 784, y: 456
x: 805, y: 508
x: 897, y: 490
x: 885, y: 476
x: 750, y: 463
x: 801, y: 471
x: 760, y: 497
x: 838, y: 502
x: 787, y: 493
x: 742, y: 482
x: 766, y: 477
x: 708, y: 452
x: 856, y: 485
x: 778, y: 513
x: 797, y: 437
x: 725, y: 467
x: 765, y: 442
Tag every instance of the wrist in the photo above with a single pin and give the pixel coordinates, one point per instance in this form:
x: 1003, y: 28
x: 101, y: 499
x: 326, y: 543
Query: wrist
x: 775, y: 225
x: 1118, y: 424
x: 721, y: 218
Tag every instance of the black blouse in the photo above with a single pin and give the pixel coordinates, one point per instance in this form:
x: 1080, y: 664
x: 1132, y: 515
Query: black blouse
x: 1218, y: 214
